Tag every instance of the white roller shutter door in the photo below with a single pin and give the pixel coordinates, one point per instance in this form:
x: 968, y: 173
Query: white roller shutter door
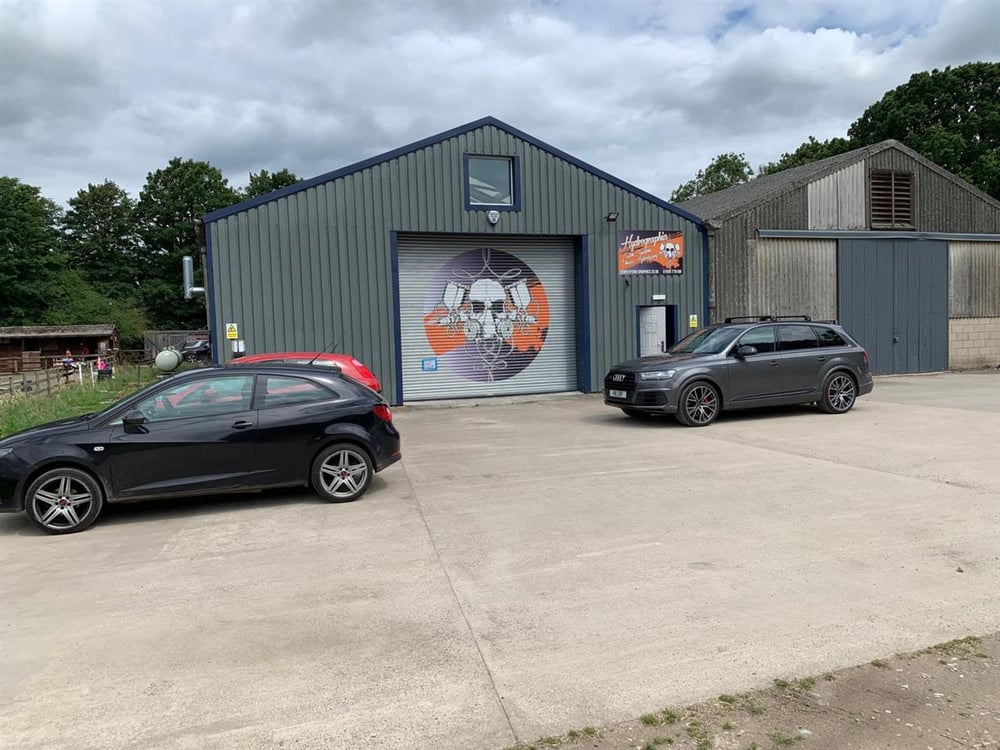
x: 486, y: 315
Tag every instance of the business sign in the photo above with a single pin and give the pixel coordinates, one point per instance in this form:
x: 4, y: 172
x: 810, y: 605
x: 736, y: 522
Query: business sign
x: 650, y: 252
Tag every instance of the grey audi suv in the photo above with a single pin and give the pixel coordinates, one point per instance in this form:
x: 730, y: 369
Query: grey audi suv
x: 744, y: 363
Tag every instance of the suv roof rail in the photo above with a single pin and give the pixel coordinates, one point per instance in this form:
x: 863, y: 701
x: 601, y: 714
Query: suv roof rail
x: 764, y: 318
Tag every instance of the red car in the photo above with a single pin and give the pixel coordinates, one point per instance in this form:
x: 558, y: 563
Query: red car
x: 347, y: 364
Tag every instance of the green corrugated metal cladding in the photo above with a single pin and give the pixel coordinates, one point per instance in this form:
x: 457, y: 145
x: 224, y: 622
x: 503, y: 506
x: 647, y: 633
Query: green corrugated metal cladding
x: 314, y: 265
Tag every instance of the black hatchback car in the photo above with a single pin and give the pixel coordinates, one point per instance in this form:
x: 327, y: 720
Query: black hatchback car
x: 744, y: 363
x: 210, y: 430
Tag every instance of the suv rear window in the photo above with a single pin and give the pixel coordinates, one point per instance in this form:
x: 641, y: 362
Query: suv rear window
x: 829, y: 337
x: 794, y: 338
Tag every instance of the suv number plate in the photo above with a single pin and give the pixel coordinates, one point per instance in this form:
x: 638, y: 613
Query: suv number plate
x: 617, y: 394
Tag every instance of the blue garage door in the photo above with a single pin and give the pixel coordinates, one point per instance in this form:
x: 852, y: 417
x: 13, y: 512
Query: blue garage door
x: 892, y: 295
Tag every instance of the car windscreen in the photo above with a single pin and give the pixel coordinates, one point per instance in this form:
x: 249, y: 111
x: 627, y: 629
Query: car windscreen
x: 706, y: 341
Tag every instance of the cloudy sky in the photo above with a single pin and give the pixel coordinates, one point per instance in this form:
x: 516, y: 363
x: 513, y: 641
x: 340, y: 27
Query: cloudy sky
x: 649, y: 90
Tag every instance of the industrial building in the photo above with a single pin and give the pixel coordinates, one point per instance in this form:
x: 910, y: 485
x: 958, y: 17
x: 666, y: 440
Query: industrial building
x: 482, y: 262
x: 903, y: 253
x: 478, y: 262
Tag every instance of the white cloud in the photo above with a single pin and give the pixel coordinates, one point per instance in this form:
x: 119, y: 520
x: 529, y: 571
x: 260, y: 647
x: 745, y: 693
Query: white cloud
x: 649, y: 90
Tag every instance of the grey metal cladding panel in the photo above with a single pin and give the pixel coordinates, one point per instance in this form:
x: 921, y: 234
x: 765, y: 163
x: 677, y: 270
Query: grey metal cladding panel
x: 788, y: 211
x: 795, y: 277
x: 974, y: 279
x: 730, y: 270
x: 731, y: 259
x: 940, y: 205
x: 837, y: 201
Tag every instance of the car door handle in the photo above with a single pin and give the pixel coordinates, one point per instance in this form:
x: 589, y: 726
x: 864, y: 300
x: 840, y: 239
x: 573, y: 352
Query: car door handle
x: 821, y: 359
x: 774, y: 363
x: 242, y: 425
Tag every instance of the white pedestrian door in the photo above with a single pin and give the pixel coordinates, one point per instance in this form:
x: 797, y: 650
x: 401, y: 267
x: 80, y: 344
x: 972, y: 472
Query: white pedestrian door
x: 652, y: 330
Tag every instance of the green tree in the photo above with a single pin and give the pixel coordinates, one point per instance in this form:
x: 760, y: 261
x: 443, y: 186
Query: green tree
x: 810, y: 151
x: 100, y: 239
x: 170, y: 201
x: 950, y: 116
x: 30, y: 258
x: 264, y: 182
x: 725, y: 171
x: 81, y: 303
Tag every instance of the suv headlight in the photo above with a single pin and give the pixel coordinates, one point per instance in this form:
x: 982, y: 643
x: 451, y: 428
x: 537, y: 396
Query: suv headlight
x: 657, y: 375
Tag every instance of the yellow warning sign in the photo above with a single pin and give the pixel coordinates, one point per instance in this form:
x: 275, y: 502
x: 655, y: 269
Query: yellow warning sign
x: 232, y: 331
x: 692, y: 321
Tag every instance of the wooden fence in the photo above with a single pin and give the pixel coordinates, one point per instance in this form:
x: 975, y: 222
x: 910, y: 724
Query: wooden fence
x: 51, y: 379
x: 48, y: 380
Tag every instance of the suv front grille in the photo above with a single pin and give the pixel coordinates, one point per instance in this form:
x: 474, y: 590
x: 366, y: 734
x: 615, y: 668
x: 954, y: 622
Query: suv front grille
x: 620, y: 380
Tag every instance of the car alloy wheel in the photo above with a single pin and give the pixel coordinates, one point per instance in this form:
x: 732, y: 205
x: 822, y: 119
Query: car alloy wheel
x: 699, y: 405
x: 839, y: 394
x: 342, y: 473
x: 64, y: 500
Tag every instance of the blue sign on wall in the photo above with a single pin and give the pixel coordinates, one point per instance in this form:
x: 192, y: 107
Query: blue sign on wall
x: 429, y: 364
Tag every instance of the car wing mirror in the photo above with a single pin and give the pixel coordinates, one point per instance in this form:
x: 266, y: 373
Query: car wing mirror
x: 133, y: 420
x: 745, y: 351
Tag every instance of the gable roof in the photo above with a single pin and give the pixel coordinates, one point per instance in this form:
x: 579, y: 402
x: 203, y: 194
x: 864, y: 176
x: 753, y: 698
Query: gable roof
x: 432, y: 140
x: 724, y: 204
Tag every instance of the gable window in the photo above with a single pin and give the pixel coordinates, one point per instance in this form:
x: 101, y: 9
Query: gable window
x: 491, y: 182
x: 891, y: 199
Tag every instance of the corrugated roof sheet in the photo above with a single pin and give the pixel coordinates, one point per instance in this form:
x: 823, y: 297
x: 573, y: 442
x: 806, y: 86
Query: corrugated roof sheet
x: 38, y: 332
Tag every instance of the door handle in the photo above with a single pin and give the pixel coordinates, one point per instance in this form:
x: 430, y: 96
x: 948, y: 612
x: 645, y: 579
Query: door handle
x: 663, y: 346
x: 774, y: 363
x: 242, y: 424
x: 821, y: 359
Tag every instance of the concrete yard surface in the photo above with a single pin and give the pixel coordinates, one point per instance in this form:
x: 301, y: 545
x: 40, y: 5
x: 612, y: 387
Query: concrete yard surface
x: 530, y: 566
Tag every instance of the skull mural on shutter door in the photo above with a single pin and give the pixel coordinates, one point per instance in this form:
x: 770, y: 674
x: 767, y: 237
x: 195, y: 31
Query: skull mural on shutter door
x: 487, y: 315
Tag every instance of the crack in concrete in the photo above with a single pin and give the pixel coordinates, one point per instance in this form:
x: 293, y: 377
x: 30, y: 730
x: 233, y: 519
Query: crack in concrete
x: 458, y: 603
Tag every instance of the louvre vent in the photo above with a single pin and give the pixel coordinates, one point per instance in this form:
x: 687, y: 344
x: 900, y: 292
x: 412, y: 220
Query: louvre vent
x: 891, y: 200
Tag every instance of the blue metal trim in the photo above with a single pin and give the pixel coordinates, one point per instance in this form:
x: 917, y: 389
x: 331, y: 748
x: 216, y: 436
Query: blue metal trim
x: 432, y: 140
x: 515, y: 176
x: 705, y: 285
x: 852, y: 234
x: 398, y: 321
x: 581, y: 273
x: 210, y: 296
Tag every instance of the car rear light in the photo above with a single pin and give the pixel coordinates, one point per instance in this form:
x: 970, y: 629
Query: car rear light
x: 864, y: 353
x: 382, y: 412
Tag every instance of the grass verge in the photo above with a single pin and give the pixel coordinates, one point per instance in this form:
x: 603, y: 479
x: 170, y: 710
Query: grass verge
x: 20, y: 412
